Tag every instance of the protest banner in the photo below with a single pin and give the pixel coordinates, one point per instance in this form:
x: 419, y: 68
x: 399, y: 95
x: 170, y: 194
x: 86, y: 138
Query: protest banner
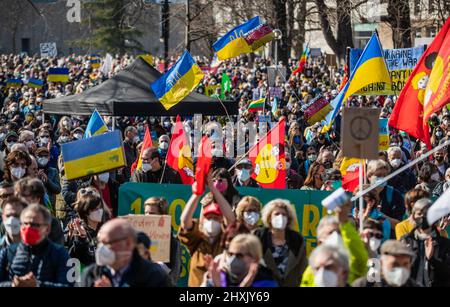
x: 48, y: 49
x: 306, y: 205
x: 158, y: 229
x: 400, y: 63
x: 383, y: 135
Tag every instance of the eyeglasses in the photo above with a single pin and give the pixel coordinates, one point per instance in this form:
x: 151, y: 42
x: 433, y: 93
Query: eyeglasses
x: 33, y: 225
x: 376, y: 235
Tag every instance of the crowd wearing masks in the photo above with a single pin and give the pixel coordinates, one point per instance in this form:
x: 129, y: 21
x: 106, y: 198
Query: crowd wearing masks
x: 236, y: 240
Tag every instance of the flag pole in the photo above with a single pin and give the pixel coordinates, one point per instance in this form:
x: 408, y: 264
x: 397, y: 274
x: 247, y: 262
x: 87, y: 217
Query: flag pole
x: 361, y: 203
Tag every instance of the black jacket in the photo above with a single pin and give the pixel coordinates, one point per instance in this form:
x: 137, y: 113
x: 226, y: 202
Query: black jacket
x: 141, y: 273
x: 296, y: 260
x: 170, y: 176
x: 363, y: 283
x: 438, y: 265
x: 404, y: 181
x: 252, y: 184
x: 83, y: 248
x: 48, y: 262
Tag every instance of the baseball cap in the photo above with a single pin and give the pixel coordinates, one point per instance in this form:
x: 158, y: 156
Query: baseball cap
x: 245, y: 161
x: 212, y: 208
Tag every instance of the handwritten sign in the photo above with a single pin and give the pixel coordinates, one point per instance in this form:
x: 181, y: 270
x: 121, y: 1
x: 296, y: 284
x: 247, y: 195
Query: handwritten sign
x: 48, y: 50
x: 157, y: 227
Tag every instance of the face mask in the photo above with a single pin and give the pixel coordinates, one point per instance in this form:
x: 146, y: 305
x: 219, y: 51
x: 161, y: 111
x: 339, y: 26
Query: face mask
x: 42, y: 161
x: 78, y: 136
x: 238, y: 268
x: 396, y: 277
x: 395, y: 163
x: 104, y: 255
x: 221, y: 186
x: 376, y: 180
x: 251, y: 218
x: 166, y: 125
x: 103, y: 177
x: 243, y: 174
x: 164, y: 145
x: 30, y: 235
x: 312, y: 158
x: 29, y: 144
x: 12, y: 225
x: 439, y: 159
x: 279, y: 222
x: 18, y: 172
x: 325, y: 278
x: 44, y: 140
x: 136, y: 139
x: 64, y: 139
x: 212, y: 227
x: 422, y: 223
x: 146, y: 167
x: 96, y: 215
x: 152, y: 120
x: 335, y: 240
x: 436, y: 177
x: 297, y: 139
x: 374, y: 244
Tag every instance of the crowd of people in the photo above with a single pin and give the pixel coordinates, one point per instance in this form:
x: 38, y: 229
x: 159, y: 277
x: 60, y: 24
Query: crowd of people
x: 236, y: 241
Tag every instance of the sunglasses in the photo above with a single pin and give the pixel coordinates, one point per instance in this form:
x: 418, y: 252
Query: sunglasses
x: 375, y: 235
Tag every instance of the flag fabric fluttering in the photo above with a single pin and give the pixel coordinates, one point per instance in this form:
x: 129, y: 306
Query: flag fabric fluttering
x: 58, y: 74
x: 426, y: 90
x: 146, y: 143
x: 179, y: 156
x: 107, y: 65
x: 225, y: 85
x: 36, y: 83
x: 302, y: 60
x: 274, y: 106
x: 95, y: 126
x: 268, y: 158
x: 11, y: 82
x: 370, y: 68
x: 178, y: 82
x: 215, y: 64
x: 245, y: 38
x: 203, y: 165
x: 147, y: 58
x: 350, y: 173
x: 256, y: 105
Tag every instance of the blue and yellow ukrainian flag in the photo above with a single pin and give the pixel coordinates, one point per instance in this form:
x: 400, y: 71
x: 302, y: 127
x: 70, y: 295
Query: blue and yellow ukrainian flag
x: 370, y: 68
x: 178, y: 81
x: 58, y: 74
x: 94, y: 155
x: 13, y: 83
x: 233, y: 43
x: 36, y: 83
x: 95, y: 126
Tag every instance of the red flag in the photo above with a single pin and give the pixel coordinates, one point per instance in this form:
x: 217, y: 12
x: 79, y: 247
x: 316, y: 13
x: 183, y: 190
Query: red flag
x: 428, y: 84
x: 179, y: 154
x: 203, y: 166
x: 268, y: 157
x: 350, y: 173
x: 147, y: 143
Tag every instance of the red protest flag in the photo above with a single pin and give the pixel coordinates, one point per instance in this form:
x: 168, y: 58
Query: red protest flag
x: 147, y: 143
x: 179, y: 155
x: 268, y: 158
x: 203, y: 166
x: 426, y: 90
x: 350, y: 173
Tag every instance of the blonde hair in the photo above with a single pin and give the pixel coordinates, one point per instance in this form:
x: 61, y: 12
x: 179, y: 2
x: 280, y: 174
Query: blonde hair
x: 374, y: 165
x: 159, y: 202
x: 278, y: 204
x: 248, y: 244
x: 244, y: 202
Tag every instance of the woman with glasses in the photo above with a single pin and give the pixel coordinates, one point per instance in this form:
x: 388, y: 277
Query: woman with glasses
x: 159, y: 206
x: 241, y: 265
x: 81, y: 231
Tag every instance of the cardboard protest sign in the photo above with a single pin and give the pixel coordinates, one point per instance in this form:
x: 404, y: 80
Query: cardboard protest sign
x: 158, y: 229
x: 48, y: 50
x: 383, y: 139
x: 359, y: 131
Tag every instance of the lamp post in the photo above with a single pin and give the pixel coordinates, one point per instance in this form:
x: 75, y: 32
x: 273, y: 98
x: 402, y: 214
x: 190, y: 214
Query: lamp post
x: 278, y: 35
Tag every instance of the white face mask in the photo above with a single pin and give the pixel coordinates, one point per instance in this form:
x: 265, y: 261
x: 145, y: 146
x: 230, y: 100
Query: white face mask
x: 211, y: 227
x: 164, y: 145
x: 146, y: 167
x: 395, y: 163
x: 335, y: 240
x: 397, y: 276
x: 136, y: 139
x: 279, y: 222
x: 243, y: 174
x: 325, y: 278
x: 42, y: 161
x: 251, y: 218
x: 12, y: 225
x: 374, y: 244
x: 44, y: 141
x: 96, y: 215
x: 435, y: 177
x: 78, y: 136
x: 104, y: 255
x: 17, y: 172
x: 104, y: 177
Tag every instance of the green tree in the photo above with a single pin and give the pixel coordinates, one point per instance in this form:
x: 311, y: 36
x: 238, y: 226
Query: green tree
x: 112, y: 24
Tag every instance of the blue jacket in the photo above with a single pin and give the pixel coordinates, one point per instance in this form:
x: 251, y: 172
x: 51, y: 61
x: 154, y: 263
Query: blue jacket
x: 47, y: 261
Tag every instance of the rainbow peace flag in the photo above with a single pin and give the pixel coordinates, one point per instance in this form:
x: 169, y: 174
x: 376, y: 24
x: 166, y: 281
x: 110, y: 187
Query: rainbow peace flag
x: 302, y: 61
x: 178, y: 82
x: 94, y: 155
x: 58, y: 74
x: 36, y: 83
x: 256, y: 105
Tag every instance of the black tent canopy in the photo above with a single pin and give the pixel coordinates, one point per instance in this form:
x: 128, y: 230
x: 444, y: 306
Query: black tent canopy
x: 128, y: 94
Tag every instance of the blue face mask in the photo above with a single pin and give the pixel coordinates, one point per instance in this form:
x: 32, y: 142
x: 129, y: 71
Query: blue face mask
x: 376, y: 180
x: 297, y: 139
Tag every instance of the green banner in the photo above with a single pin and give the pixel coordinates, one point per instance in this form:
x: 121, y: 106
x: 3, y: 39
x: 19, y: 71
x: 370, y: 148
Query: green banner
x: 306, y: 204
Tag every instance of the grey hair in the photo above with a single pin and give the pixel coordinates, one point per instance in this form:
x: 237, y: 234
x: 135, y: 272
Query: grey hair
x: 277, y: 203
x: 325, y: 221
x: 337, y: 254
x: 38, y: 209
x: 394, y: 150
x: 24, y: 134
x: 374, y: 165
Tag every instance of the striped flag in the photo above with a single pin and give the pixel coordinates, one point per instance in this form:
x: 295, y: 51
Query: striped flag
x: 256, y: 105
x: 302, y: 61
x: 95, y: 126
x: 13, y: 83
x: 36, y: 83
x: 58, y: 74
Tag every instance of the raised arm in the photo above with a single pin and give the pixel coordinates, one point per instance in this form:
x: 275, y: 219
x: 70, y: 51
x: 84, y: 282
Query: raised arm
x: 225, y: 207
